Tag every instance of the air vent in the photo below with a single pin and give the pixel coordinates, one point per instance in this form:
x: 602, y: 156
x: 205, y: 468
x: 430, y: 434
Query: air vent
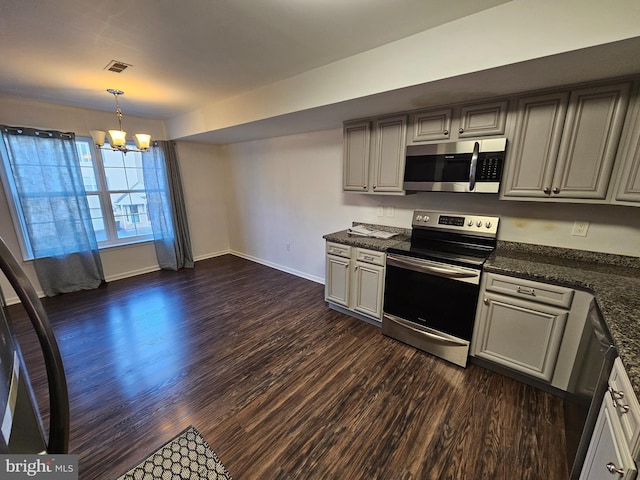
x: 116, y: 66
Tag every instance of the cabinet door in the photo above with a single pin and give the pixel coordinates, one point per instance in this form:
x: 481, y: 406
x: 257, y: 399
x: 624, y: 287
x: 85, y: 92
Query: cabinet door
x: 357, y: 138
x: 368, y: 289
x: 523, y: 336
x: 390, y: 137
x: 336, y: 289
x: 628, y: 185
x: 589, y: 141
x: 534, y: 148
x: 431, y: 125
x: 608, y: 455
x: 483, y: 119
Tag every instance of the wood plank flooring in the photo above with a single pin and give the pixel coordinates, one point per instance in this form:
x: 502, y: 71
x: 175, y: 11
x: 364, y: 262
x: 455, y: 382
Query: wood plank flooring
x: 281, y: 386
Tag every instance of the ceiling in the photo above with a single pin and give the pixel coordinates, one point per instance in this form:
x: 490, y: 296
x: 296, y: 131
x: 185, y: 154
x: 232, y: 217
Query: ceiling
x: 190, y: 53
x: 185, y: 53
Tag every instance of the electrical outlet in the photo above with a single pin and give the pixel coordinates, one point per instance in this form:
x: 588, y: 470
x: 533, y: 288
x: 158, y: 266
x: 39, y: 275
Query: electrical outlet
x: 380, y: 211
x: 580, y: 228
x: 390, y: 211
x: 287, y: 247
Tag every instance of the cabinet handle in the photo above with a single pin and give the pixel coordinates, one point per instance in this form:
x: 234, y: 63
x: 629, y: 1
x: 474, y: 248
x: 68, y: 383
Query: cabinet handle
x: 547, y: 190
x: 446, y: 132
x: 556, y: 190
x: 526, y: 291
x: 615, y: 396
x: 364, y: 187
x: 375, y: 186
x: 461, y: 130
x: 487, y: 301
x: 366, y: 257
x: 613, y: 469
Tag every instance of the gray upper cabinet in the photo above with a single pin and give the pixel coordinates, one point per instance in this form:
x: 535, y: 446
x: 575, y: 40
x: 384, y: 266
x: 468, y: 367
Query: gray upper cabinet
x: 450, y: 124
x: 357, y: 141
x: 627, y: 187
x: 431, y: 125
x: 373, y: 155
x: 564, y: 145
x: 390, y: 137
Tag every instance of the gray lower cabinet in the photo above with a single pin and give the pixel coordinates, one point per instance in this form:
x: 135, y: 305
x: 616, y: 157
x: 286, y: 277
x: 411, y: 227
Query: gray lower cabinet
x: 564, y: 144
x: 614, y: 447
x: 355, y: 279
x: 520, y: 324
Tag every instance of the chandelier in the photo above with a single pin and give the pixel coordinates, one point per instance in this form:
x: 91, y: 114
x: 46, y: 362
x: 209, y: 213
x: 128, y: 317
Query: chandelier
x: 117, y: 138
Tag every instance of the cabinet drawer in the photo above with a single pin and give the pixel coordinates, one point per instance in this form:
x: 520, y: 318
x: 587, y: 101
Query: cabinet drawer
x: 370, y: 256
x: 530, y: 290
x: 338, y: 249
x: 626, y: 405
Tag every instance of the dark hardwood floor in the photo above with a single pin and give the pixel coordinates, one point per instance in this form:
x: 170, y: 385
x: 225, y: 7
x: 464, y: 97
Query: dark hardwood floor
x: 281, y: 386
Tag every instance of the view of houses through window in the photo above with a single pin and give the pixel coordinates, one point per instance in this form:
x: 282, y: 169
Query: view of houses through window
x: 115, y: 190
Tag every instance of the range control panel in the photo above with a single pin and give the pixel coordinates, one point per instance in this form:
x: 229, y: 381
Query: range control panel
x: 464, y: 223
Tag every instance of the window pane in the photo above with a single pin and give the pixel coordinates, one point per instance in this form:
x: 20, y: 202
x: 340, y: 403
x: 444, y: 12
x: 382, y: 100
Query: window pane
x: 112, y: 158
x: 130, y: 214
x: 86, y: 165
x: 97, y: 218
x: 116, y: 178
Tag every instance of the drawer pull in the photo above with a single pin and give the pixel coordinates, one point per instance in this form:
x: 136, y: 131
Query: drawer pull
x: 526, y: 291
x: 615, y: 396
x: 370, y: 258
x: 613, y: 469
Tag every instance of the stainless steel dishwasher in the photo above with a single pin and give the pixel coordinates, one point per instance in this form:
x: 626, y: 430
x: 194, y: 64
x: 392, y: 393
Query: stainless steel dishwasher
x: 587, y: 385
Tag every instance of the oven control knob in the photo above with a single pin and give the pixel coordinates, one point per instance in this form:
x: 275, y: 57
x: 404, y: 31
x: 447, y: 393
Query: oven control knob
x: 479, y: 223
x: 470, y: 223
x: 426, y: 218
x: 488, y: 224
x: 419, y: 218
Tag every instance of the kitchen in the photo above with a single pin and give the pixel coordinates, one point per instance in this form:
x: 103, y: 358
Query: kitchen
x: 287, y: 189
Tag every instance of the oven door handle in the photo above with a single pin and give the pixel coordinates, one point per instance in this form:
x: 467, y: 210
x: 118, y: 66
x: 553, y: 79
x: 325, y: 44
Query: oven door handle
x: 432, y: 334
x: 423, y: 267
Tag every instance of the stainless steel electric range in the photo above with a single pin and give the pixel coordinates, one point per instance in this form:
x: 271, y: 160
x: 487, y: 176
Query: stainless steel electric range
x: 432, y: 282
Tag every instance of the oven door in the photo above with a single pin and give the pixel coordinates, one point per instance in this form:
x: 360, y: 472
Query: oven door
x: 431, y: 305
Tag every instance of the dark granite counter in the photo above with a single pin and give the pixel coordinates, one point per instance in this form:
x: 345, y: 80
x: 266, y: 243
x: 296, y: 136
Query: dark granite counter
x: 614, y: 280
x: 377, y: 244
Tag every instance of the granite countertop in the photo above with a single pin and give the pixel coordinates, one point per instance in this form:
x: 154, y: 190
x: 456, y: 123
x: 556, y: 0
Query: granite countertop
x: 378, y: 244
x: 614, y: 281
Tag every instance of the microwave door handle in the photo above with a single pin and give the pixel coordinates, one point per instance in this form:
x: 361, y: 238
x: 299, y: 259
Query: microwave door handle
x: 474, y: 165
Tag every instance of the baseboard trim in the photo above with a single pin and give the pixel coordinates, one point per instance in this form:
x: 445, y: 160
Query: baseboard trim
x: 277, y: 266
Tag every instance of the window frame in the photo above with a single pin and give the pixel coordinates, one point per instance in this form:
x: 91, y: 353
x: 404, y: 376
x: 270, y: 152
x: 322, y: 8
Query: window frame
x: 104, y: 196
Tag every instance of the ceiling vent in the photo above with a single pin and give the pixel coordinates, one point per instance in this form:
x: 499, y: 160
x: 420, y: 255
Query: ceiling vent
x: 116, y: 66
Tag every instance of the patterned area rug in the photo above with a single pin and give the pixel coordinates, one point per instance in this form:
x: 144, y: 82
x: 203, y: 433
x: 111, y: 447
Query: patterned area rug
x: 186, y: 456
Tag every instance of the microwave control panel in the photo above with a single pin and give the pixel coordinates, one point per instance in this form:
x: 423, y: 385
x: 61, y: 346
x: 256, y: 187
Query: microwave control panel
x: 489, y: 167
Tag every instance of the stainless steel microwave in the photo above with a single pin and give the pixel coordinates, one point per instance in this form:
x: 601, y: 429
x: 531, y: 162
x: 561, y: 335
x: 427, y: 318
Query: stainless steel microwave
x: 473, y: 166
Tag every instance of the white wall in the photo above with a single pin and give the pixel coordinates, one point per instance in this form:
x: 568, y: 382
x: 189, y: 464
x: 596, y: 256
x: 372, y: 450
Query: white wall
x: 203, y: 174
x: 288, y: 190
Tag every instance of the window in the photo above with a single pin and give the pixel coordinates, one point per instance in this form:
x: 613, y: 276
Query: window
x: 116, y: 193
